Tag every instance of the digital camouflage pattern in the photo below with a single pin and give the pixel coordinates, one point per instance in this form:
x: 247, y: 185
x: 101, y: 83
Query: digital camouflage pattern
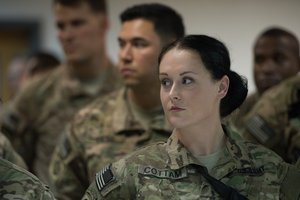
x: 36, y: 118
x: 166, y: 171
x: 275, y: 120
x: 101, y: 133
x: 7, y: 152
x: 17, y: 183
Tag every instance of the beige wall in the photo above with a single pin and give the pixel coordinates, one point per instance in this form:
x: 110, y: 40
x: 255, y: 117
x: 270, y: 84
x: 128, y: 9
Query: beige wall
x: 235, y: 22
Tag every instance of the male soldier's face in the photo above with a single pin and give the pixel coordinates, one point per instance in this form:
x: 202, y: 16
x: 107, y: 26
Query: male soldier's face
x: 275, y: 59
x: 139, y: 49
x: 81, y: 31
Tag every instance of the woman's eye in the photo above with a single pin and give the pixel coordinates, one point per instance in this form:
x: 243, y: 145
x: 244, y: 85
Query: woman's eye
x: 165, y: 82
x: 187, y: 81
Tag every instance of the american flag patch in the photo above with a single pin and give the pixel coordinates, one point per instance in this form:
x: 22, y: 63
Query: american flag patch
x: 104, y: 177
x: 260, y: 129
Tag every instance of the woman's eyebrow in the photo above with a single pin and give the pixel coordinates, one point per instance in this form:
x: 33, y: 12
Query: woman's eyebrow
x: 163, y: 74
x: 187, y: 72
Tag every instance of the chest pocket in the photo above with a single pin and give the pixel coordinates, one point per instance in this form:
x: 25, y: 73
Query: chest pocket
x: 174, y: 185
x: 264, y: 187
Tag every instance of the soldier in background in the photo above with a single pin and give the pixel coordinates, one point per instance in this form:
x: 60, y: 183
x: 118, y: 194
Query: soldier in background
x: 274, y: 121
x: 25, y: 66
x: 17, y: 183
x: 131, y: 117
x: 276, y: 58
x: 16, y: 71
x: 35, y: 119
x: 202, y: 159
x: 7, y: 151
x: 38, y: 63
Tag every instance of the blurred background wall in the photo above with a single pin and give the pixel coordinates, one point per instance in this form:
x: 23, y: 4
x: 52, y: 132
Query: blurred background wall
x: 29, y: 24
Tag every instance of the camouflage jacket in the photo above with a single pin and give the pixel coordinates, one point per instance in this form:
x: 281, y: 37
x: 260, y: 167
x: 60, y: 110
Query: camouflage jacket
x: 17, y: 183
x: 168, y: 171
x: 37, y: 116
x: 275, y: 120
x: 7, y: 152
x: 101, y: 133
x: 237, y: 117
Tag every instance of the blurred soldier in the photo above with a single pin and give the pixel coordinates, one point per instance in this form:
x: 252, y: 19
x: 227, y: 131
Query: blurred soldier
x: 132, y: 117
x: 38, y: 63
x: 276, y: 58
x: 7, y: 151
x: 274, y: 121
x: 37, y: 116
x: 16, y: 71
x: 17, y: 183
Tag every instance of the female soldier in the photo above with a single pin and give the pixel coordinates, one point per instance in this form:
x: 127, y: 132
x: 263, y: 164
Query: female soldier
x: 202, y: 159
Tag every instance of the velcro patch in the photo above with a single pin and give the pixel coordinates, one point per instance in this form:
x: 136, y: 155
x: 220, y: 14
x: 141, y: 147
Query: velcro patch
x: 260, y: 129
x: 104, y: 177
x: 162, y: 173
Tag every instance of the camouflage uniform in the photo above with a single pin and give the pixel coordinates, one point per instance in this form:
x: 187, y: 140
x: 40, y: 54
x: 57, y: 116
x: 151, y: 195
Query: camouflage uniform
x: 237, y: 117
x: 17, y: 183
x: 8, y: 153
x: 35, y: 120
x: 275, y: 120
x: 101, y: 133
x: 168, y: 171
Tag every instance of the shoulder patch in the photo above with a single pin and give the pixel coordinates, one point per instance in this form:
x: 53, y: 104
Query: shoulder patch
x: 104, y: 177
x: 260, y: 129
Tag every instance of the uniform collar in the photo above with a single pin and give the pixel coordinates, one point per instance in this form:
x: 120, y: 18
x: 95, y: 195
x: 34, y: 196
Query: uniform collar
x: 73, y: 87
x: 235, y: 155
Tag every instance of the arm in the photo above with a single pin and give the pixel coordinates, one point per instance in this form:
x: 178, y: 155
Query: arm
x: 7, y: 152
x: 112, y: 183
x: 18, y: 129
x: 67, y: 168
x: 290, y: 184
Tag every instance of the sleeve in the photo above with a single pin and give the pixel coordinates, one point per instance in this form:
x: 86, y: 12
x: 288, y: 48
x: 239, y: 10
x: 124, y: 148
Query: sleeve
x: 292, y: 132
x: 8, y: 152
x: 274, y: 122
x: 290, y: 184
x: 46, y: 194
x: 262, y: 122
x: 67, y: 169
x: 17, y: 127
x: 111, y: 183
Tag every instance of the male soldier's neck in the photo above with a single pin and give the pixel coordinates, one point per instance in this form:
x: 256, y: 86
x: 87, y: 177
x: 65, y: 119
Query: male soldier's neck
x: 147, y: 99
x: 89, y: 69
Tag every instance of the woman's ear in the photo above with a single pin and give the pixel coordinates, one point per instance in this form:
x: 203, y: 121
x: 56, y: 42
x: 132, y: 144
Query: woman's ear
x: 223, y: 86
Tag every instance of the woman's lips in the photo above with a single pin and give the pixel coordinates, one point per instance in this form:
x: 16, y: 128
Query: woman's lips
x: 176, y: 109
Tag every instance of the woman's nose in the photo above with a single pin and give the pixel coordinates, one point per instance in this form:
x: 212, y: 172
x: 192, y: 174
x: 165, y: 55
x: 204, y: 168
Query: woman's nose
x: 174, y: 93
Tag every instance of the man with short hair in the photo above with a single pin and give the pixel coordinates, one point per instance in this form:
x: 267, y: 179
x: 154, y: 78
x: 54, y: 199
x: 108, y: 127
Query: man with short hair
x: 129, y: 118
x: 37, y: 116
x: 276, y: 58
